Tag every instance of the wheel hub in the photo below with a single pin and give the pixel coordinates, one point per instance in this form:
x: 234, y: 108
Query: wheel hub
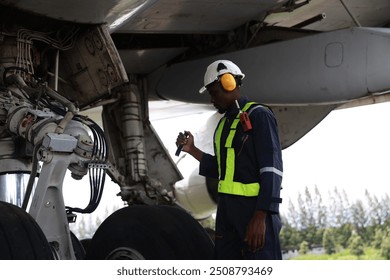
x: 125, y: 253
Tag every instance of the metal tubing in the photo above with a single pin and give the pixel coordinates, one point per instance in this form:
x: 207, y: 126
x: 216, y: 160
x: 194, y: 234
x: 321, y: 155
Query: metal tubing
x: 350, y: 14
x: 310, y: 21
x: 48, y: 207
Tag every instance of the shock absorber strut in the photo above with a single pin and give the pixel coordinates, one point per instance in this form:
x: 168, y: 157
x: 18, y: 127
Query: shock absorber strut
x: 134, y: 136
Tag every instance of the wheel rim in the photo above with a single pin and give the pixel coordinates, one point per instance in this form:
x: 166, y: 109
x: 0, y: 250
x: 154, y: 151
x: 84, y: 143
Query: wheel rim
x: 125, y: 253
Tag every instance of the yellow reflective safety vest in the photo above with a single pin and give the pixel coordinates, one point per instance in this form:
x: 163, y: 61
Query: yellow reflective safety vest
x: 228, y: 185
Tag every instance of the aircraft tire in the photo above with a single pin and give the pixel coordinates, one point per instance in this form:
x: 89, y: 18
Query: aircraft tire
x: 78, y: 247
x: 21, y: 238
x: 150, y: 232
x: 85, y: 243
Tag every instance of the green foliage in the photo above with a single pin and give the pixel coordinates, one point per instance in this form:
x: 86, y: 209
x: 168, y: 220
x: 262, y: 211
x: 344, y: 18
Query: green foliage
x: 339, y: 225
x: 289, y: 237
x: 369, y: 254
x: 378, y: 238
x: 329, y: 242
x: 304, y: 248
x: 385, y: 248
x: 356, y: 246
x: 339, y: 208
x: 343, y: 234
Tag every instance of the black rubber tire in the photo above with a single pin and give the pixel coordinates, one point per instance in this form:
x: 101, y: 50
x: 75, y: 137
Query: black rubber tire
x: 152, y: 232
x: 78, y: 247
x: 86, y: 243
x: 21, y: 238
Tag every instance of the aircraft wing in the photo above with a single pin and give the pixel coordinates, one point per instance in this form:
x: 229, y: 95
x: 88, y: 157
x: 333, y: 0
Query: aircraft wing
x: 303, y: 58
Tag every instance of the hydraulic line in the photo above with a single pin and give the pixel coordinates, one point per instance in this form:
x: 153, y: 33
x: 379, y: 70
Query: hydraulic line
x: 96, y: 167
x: 32, y: 177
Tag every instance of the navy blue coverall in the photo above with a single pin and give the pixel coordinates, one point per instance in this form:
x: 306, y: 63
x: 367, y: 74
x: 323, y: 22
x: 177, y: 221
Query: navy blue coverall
x: 258, y: 158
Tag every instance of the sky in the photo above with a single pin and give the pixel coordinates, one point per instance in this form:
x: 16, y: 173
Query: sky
x: 349, y: 150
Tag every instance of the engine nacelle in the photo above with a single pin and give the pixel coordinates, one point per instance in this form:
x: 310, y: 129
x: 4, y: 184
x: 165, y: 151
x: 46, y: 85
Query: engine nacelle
x: 194, y: 195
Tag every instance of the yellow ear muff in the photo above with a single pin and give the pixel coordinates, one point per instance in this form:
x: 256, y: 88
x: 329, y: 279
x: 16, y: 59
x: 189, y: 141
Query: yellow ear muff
x: 228, y: 82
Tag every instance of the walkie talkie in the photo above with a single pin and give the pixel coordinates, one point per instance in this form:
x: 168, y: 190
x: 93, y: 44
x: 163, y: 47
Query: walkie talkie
x: 244, y: 119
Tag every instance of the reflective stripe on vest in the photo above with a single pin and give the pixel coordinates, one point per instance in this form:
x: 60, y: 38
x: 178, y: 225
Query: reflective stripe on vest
x: 227, y: 185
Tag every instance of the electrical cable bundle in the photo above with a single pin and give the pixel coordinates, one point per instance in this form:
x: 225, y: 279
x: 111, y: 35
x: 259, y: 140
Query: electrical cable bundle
x: 96, y: 167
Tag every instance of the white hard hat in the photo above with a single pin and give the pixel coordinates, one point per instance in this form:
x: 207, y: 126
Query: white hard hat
x: 218, y: 68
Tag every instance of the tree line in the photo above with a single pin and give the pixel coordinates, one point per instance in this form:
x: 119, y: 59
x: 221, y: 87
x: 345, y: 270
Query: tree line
x: 338, y: 224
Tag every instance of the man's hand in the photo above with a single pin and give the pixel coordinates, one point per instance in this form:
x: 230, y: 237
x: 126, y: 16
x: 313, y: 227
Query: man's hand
x: 188, y: 145
x: 255, y: 233
x: 186, y: 140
